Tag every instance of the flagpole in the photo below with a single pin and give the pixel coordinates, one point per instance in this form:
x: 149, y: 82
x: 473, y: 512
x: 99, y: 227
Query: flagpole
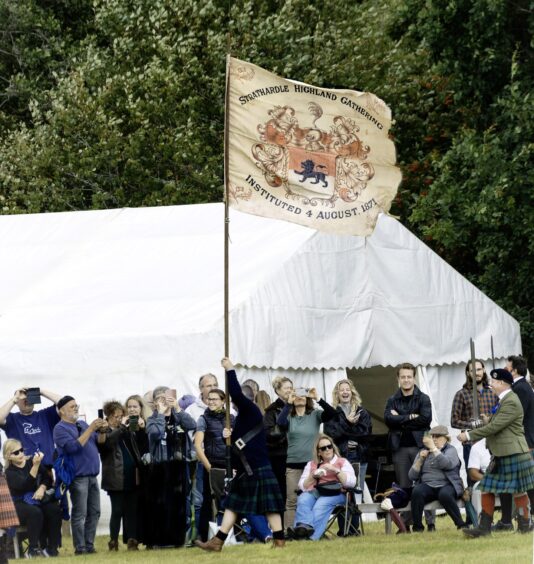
x: 227, y: 262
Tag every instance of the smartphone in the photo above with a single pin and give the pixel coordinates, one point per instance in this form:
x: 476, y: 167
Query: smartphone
x: 302, y: 392
x: 33, y: 395
x: 101, y: 414
x: 171, y: 393
x: 133, y: 422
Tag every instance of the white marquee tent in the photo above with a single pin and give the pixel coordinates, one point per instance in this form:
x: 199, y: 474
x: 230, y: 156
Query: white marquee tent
x: 105, y: 303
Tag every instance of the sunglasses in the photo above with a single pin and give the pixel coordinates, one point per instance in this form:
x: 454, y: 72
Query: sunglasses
x: 17, y: 452
x: 326, y: 447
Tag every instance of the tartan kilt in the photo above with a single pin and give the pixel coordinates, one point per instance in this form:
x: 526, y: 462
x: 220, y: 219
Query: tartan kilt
x: 257, y: 494
x: 513, y: 474
x: 8, y: 513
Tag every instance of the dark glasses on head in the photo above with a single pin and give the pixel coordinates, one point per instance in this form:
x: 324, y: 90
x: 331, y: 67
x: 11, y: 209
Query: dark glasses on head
x: 325, y: 447
x: 18, y: 451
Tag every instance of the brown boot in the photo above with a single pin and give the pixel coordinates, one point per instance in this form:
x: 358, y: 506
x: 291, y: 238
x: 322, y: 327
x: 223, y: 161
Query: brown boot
x: 278, y: 543
x: 213, y: 545
x: 132, y: 544
x: 113, y: 545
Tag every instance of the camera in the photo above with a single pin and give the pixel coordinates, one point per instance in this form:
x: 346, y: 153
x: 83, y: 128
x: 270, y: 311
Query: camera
x: 133, y: 422
x: 33, y: 395
x: 302, y: 392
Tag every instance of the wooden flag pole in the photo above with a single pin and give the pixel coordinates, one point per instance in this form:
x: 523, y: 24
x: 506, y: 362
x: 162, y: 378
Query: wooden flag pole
x: 227, y: 264
x: 476, y: 411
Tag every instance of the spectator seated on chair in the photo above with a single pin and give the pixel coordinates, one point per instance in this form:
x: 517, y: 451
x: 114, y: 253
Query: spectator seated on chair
x: 37, y: 508
x: 322, y: 484
x: 436, y: 473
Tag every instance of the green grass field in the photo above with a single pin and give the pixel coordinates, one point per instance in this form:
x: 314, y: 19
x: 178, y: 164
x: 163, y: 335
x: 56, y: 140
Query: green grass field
x: 446, y: 545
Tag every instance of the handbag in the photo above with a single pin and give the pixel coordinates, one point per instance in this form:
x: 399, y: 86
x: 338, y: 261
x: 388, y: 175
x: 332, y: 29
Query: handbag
x: 398, y: 496
x: 329, y: 488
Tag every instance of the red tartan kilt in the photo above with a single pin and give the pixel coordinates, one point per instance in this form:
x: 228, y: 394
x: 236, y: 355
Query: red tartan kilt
x: 8, y: 513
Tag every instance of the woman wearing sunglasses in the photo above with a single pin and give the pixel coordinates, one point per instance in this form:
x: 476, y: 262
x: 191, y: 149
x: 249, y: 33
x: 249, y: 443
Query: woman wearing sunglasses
x: 322, y: 484
x: 28, y: 482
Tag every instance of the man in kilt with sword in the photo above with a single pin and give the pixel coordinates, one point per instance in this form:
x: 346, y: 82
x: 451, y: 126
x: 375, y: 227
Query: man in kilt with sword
x: 512, y: 467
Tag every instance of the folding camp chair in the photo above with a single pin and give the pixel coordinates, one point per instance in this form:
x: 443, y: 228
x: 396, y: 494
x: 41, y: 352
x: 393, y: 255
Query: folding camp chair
x: 346, y: 511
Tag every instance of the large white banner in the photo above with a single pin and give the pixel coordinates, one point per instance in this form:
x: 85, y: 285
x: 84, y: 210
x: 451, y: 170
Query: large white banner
x: 318, y: 157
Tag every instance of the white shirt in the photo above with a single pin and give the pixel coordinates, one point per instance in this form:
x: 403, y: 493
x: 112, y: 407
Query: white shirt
x: 480, y: 456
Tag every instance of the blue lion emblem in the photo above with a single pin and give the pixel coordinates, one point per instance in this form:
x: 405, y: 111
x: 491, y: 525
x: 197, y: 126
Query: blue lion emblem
x: 308, y: 171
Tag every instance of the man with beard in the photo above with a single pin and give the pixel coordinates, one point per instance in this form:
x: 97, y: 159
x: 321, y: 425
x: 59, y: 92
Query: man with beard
x: 462, y: 413
x: 77, y: 439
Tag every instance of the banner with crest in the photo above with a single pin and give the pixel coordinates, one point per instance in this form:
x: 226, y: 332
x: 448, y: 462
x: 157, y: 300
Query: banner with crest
x: 314, y: 156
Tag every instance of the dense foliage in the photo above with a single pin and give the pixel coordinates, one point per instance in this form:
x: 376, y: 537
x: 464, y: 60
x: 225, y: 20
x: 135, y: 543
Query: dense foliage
x: 107, y: 103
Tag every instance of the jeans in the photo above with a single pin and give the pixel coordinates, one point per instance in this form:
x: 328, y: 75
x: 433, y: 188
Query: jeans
x: 423, y: 493
x: 315, y: 511
x: 197, y: 495
x: 467, y: 451
x: 85, y: 499
x: 259, y: 527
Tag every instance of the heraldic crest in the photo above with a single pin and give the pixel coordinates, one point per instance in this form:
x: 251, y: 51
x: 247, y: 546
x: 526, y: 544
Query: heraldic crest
x: 311, y: 164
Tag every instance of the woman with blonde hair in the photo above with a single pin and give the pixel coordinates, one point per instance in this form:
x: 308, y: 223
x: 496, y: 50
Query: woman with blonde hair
x: 322, y: 484
x: 37, y: 508
x: 351, y: 427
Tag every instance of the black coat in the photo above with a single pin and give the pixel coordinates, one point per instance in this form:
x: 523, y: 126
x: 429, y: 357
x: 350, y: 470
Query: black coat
x: 342, y: 431
x: 526, y: 396
x: 418, y: 403
x: 276, y: 437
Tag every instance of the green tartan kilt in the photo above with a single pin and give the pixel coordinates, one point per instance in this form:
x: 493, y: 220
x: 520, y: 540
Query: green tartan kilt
x: 257, y: 494
x: 512, y: 474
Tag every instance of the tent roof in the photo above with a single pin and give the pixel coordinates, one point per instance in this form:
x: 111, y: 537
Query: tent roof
x: 141, y: 290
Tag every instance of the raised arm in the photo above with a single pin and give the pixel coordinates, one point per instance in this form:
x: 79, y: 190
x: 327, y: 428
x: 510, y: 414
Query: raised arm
x: 10, y: 404
x: 52, y: 396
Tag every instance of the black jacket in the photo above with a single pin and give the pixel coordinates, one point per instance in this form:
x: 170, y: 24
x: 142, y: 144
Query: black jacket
x: 214, y: 443
x: 526, y: 396
x: 276, y: 437
x: 418, y: 403
x: 342, y: 431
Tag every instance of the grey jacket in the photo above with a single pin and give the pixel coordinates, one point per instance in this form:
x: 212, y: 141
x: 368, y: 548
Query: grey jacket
x: 181, y: 422
x: 443, y: 466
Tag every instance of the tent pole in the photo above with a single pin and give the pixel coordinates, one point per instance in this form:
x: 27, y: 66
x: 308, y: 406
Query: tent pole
x: 226, y: 261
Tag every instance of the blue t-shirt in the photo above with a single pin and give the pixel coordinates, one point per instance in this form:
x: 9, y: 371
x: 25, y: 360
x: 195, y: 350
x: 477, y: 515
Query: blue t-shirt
x: 86, y: 458
x: 34, y: 431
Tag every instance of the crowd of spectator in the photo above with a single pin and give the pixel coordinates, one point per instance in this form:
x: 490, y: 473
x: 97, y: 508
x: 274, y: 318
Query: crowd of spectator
x: 166, y: 463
